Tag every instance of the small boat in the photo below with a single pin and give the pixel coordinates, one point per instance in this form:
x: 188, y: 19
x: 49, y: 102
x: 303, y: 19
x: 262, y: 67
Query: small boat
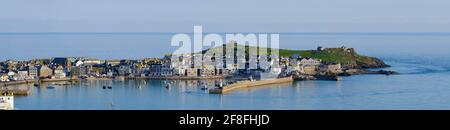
x: 112, y: 105
x: 219, y: 85
x: 104, y: 87
x: 168, y: 85
x: 109, y: 87
x: 50, y: 87
x: 205, y: 87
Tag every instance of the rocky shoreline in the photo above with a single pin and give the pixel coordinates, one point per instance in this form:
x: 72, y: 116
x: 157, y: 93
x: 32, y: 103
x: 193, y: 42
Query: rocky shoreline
x: 351, y: 72
x: 337, y: 77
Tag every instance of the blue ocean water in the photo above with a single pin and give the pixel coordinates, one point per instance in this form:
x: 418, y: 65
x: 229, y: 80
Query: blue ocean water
x: 423, y: 61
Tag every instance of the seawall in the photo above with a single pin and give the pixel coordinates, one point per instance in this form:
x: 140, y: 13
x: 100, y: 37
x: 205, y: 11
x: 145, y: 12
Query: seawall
x: 16, y: 82
x: 33, y: 81
x: 248, y: 84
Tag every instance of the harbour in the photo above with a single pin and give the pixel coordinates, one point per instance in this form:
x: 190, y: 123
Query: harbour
x: 422, y: 78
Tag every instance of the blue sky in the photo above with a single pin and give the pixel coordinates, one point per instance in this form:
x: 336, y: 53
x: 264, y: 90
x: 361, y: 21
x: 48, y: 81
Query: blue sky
x: 225, y: 15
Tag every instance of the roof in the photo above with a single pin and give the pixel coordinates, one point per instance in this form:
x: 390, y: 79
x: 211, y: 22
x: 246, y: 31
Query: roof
x: 43, y: 67
x: 60, y: 60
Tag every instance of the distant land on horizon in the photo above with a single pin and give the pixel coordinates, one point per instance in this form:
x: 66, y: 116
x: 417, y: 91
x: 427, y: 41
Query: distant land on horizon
x: 256, y: 32
x: 343, y: 55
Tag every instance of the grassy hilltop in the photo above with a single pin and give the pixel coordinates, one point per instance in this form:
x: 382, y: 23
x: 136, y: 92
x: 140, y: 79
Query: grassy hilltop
x: 347, y: 57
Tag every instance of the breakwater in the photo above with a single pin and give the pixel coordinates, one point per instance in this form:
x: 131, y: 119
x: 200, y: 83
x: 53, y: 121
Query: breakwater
x: 58, y: 79
x: 10, y: 83
x: 16, y: 82
x: 248, y: 84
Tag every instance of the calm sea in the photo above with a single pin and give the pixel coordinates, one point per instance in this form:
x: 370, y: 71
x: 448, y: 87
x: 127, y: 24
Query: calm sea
x: 423, y: 61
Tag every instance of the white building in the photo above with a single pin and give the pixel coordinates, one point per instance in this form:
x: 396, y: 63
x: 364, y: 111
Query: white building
x: 11, y: 73
x: 33, y: 72
x: 310, y: 62
x: 78, y: 63
x: 59, y: 72
x: 331, y: 68
x: 23, y: 75
x: 160, y: 70
x: 4, y: 78
x: 92, y: 61
x: 124, y: 69
x: 166, y: 71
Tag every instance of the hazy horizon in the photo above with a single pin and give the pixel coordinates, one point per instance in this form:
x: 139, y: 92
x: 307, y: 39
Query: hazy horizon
x: 22, y: 16
x: 131, y: 46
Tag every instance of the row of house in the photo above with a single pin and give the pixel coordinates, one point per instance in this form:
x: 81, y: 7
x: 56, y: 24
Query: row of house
x: 30, y: 73
x: 153, y: 67
x: 310, y: 66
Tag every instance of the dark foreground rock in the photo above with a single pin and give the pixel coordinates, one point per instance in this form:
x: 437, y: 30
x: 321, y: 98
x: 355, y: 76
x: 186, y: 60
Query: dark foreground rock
x: 385, y: 72
x: 337, y: 77
x: 328, y: 77
x: 303, y: 77
x: 351, y: 72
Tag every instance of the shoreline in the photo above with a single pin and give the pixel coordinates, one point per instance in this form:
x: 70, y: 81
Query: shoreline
x: 12, y: 83
x: 297, y: 78
x: 337, y: 77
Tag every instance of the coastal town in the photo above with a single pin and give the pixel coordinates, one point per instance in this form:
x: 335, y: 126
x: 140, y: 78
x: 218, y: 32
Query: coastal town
x: 287, y: 66
x: 75, y: 68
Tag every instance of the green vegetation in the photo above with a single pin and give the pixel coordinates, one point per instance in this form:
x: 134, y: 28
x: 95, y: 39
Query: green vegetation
x: 336, y: 55
x: 345, y: 56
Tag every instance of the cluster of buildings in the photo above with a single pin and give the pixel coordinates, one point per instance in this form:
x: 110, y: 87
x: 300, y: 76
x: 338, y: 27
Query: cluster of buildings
x: 11, y: 70
x: 309, y: 66
x: 81, y: 67
x: 67, y: 67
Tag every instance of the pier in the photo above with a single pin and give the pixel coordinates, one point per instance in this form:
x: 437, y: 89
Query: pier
x: 21, y: 92
x: 249, y: 84
x: 35, y: 81
x: 58, y: 79
x: 17, y: 91
x: 16, y: 82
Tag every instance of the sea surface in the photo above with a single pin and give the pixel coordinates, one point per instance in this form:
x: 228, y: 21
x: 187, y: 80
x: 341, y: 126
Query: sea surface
x: 422, y: 59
